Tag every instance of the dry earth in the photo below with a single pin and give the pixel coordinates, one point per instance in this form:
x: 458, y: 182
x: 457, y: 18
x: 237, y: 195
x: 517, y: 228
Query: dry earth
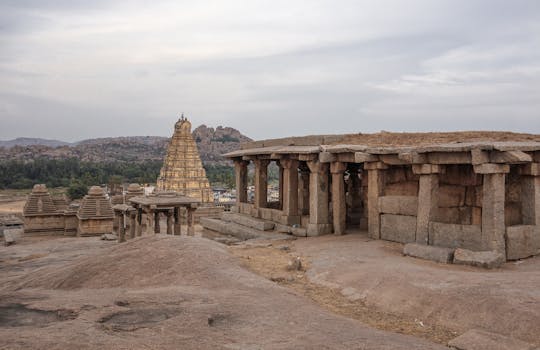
x: 161, y: 292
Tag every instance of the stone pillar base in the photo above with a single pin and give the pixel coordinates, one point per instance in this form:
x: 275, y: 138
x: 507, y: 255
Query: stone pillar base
x: 318, y: 229
x: 290, y: 219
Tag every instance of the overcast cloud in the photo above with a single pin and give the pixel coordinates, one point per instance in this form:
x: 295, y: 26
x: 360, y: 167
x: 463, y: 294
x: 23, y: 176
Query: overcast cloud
x: 72, y: 70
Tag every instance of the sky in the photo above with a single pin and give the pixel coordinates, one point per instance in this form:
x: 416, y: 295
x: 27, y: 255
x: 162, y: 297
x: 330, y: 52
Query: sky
x: 78, y: 69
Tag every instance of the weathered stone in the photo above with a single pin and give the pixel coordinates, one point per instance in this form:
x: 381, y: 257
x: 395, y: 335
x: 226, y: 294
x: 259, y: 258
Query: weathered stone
x: 326, y: 157
x: 490, y: 168
x: 487, y: 259
x: 451, y: 196
x: 182, y: 169
x: 375, y: 190
x: 362, y: 157
x: 12, y: 235
x: 398, y: 228
x: 522, y: 241
x: 449, y: 158
x: 375, y: 166
x: 248, y: 221
x: 461, y: 175
x: 396, y: 174
x: 438, y: 254
x: 318, y: 199
x: 109, y: 237
x: 299, y: 231
x: 295, y: 264
x: 427, y: 203
x: 408, y: 188
x: 493, y: 226
x: 532, y: 169
x: 455, y: 235
x: 95, y: 214
x: 400, y: 205
x: 413, y: 157
x: 510, y: 157
x: 479, y: 156
x: 424, y: 169
x: 476, y: 339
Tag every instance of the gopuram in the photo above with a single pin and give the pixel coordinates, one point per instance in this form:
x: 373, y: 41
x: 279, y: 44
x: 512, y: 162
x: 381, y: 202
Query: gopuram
x: 467, y: 195
x: 182, y: 170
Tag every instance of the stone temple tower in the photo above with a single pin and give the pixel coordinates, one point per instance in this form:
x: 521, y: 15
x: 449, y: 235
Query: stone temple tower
x: 182, y: 169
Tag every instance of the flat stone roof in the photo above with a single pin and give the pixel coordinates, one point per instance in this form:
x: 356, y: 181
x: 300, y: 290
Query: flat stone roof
x: 390, y: 142
x: 164, y: 200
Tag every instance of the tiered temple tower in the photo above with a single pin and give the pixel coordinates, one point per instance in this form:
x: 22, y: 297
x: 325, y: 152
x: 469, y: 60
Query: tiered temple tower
x: 182, y: 170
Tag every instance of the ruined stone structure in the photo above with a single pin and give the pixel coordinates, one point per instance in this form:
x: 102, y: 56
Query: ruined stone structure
x: 182, y: 170
x: 43, y: 214
x: 480, y: 196
x: 95, y: 213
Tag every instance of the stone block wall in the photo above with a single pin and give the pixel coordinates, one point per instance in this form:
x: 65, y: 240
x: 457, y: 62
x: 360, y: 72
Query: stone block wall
x: 460, y: 196
x: 49, y: 224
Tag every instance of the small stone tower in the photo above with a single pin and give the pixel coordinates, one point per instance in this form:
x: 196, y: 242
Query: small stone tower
x: 41, y: 214
x: 95, y: 213
x: 182, y: 170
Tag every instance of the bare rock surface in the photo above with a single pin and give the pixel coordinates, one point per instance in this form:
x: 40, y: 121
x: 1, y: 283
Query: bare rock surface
x: 504, y: 301
x: 161, y: 292
x: 477, y: 339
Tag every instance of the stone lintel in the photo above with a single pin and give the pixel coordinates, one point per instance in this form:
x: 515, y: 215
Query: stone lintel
x: 326, y: 157
x: 532, y: 169
x: 276, y: 156
x: 375, y: 165
x: 362, y: 157
x: 510, y: 157
x: 307, y: 157
x: 425, y: 169
x: 449, y: 158
x: 490, y: 168
x: 248, y: 158
x: 240, y: 161
x: 346, y: 157
x: 392, y: 159
x: 413, y: 157
x: 479, y: 156
x: 317, y: 167
x: 338, y: 167
x: 288, y: 163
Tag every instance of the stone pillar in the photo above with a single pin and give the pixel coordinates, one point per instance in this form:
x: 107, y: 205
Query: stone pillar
x: 116, y: 222
x: 303, y: 190
x: 530, y: 194
x: 289, y: 191
x: 318, y: 199
x: 157, y: 228
x: 190, y: 224
x: 493, y: 226
x: 376, y: 172
x: 169, y: 222
x: 177, y: 227
x: 121, y: 229
x: 132, y: 223
x: 339, y: 207
x: 281, y: 171
x: 241, y: 176
x: 149, y: 221
x: 428, y: 194
x: 261, y: 183
x: 139, y: 222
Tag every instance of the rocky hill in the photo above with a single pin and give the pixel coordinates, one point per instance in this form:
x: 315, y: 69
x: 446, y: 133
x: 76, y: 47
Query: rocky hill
x: 212, y: 144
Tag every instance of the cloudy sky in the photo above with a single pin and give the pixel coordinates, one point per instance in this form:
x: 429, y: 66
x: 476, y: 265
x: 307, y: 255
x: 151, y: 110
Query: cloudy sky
x: 76, y: 69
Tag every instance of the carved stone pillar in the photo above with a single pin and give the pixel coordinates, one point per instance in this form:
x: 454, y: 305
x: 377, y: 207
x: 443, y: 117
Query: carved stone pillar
x: 156, y: 222
x: 261, y: 183
x: 303, y: 190
x: 290, y: 191
x: 241, y: 176
x: 318, y: 199
x: 121, y: 228
x: 139, y: 222
x: 169, y: 222
x: 132, y: 223
x: 190, y: 223
x: 339, y: 208
x: 428, y: 194
x: 177, y: 226
x: 493, y: 192
x: 376, y: 172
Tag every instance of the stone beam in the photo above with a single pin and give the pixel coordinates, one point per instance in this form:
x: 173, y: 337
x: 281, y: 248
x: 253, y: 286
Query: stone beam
x: 392, y: 159
x: 490, y: 168
x: 532, y: 169
x: 479, y: 156
x: 327, y: 157
x: 413, y: 157
x: 450, y: 158
x: 362, y: 157
x: 338, y: 197
x: 424, y: 169
x: 510, y: 157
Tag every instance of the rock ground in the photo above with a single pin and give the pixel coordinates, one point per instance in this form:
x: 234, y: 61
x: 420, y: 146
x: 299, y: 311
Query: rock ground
x: 161, y: 292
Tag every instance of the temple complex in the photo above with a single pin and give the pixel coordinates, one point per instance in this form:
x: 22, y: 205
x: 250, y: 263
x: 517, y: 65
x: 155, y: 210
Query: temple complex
x: 182, y: 170
x: 95, y: 213
x: 452, y: 191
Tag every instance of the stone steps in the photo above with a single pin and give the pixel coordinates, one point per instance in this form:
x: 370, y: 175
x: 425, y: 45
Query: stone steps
x: 239, y: 231
x: 248, y: 221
